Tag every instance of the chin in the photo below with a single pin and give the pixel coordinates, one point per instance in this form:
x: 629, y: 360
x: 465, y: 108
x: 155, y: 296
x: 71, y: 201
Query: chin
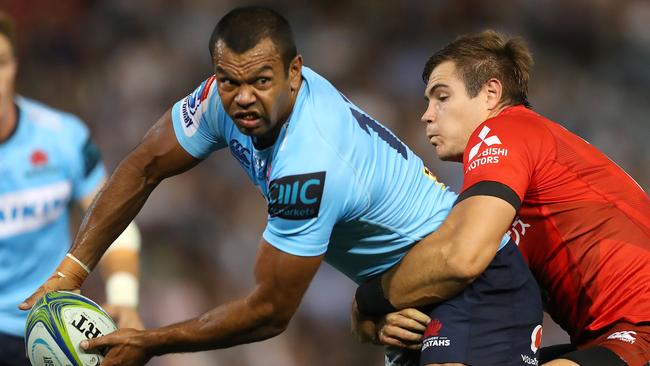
x: 448, y: 156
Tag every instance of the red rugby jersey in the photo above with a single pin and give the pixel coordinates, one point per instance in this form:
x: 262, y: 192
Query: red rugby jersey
x: 583, y: 224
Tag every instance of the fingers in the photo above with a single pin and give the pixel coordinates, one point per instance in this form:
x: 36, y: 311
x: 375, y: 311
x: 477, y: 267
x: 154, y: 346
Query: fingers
x: 404, y: 328
x: 409, y: 319
x: 386, y: 337
x: 401, y: 334
x: 30, y: 301
x: 99, y: 342
x: 416, y: 315
x: 54, y: 283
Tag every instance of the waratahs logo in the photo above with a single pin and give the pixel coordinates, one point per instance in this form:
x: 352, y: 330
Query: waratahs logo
x: 190, y: 107
x: 432, y: 338
x: 433, y: 328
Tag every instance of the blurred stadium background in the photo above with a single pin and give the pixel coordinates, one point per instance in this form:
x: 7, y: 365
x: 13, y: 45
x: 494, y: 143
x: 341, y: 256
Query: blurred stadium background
x: 120, y: 64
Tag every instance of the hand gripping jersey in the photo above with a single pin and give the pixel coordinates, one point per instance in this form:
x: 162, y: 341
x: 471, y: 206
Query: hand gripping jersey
x: 583, y: 224
x: 46, y: 163
x: 335, y: 181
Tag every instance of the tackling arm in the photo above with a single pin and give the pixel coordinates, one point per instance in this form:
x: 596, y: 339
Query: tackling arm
x: 448, y: 260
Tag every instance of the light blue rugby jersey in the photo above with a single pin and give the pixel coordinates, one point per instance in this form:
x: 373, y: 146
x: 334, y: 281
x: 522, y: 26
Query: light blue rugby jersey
x: 336, y: 181
x: 45, y: 164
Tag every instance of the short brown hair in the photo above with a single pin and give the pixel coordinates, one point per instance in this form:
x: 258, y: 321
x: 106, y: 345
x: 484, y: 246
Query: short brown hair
x: 8, y: 29
x: 486, y: 55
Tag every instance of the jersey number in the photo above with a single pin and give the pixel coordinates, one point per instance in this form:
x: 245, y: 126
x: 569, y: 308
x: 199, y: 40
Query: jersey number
x: 392, y: 141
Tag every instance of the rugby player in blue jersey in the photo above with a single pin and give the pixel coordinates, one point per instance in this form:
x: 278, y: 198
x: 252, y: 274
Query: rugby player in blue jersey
x: 340, y: 187
x: 47, y: 162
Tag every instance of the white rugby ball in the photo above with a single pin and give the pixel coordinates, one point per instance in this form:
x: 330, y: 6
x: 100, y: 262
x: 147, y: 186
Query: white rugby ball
x: 56, y: 325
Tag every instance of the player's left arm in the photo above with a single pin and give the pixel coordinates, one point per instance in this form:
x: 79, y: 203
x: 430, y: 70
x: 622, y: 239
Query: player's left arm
x: 445, y: 262
x: 281, y: 281
x: 119, y: 268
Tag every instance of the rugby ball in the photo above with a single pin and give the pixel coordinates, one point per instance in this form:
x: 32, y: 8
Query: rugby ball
x: 56, y: 325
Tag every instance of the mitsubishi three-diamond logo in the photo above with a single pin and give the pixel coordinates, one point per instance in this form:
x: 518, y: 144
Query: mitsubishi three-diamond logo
x: 489, y: 141
x: 488, y: 155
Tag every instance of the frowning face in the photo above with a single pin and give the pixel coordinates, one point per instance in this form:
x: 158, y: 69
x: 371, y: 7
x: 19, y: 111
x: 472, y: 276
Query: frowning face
x: 256, y: 89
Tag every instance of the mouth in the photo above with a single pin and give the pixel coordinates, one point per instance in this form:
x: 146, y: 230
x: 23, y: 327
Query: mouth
x: 433, y: 139
x: 247, y: 119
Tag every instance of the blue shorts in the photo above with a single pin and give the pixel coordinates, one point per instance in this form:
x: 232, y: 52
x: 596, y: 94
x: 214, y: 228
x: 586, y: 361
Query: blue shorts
x: 12, y: 350
x: 496, y: 320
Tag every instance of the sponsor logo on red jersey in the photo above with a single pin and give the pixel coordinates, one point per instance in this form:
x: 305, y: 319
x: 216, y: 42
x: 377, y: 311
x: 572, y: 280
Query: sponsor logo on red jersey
x: 518, y: 229
x: 490, y: 153
x: 628, y: 336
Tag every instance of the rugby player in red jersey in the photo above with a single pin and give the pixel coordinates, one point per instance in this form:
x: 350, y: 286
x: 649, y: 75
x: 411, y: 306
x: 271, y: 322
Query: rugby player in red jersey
x: 581, y: 222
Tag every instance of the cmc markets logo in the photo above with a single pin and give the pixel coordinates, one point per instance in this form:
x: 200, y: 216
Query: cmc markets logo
x: 296, y: 197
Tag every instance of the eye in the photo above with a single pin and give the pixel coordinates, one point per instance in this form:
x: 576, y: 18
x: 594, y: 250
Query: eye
x: 443, y: 97
x: 263, y: 81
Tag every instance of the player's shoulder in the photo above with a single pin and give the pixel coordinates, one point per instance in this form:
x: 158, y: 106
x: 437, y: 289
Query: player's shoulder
x: 199, y: 104
x: 326, y: 102
x: 50, y: 120
x: 518, y: 119
x: 516, y: 123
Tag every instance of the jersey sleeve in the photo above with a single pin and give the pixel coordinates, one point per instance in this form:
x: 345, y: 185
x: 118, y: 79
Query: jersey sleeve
x: 499, y: 160
x: 86, y: 165
x: 196, y: 120
x: 303, y: 209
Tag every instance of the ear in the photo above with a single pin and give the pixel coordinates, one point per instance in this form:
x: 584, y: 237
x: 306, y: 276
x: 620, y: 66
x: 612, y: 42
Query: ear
x: 295, y: 72
x: 493, y: 91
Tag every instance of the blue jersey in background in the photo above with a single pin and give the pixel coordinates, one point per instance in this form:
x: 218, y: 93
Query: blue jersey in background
x: 48, y: 162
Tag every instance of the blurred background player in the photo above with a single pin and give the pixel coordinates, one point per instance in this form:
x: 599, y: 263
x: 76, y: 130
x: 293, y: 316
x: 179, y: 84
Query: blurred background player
x: 340, y: 187
x: 47, y: 162
x: 582, y: 223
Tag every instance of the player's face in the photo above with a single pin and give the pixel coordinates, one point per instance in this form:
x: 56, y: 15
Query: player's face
x: 451, y: 115
x: 256, y: 90
x: 8, y: 67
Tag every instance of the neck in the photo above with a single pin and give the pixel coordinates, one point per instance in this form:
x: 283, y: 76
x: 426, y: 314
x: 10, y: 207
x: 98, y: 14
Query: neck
x: 8, y: 120
x: 496, y: 111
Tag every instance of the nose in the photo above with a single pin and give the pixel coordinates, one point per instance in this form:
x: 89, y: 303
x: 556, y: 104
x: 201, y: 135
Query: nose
x: 245, y: 96
x: 429, y: 114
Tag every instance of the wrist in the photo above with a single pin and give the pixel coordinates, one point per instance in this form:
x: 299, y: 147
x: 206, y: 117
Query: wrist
x: 371, y: 300
x: 73, y: 270
x: 122, y: 289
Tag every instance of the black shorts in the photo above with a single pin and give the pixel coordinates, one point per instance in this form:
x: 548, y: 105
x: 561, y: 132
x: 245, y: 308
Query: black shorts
x: 12, y: 350
x: 495, y: 321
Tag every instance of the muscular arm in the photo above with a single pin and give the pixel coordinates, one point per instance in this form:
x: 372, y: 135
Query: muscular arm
x: 281, y: 281
x: 448, y: 260
x: 158, y: 156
